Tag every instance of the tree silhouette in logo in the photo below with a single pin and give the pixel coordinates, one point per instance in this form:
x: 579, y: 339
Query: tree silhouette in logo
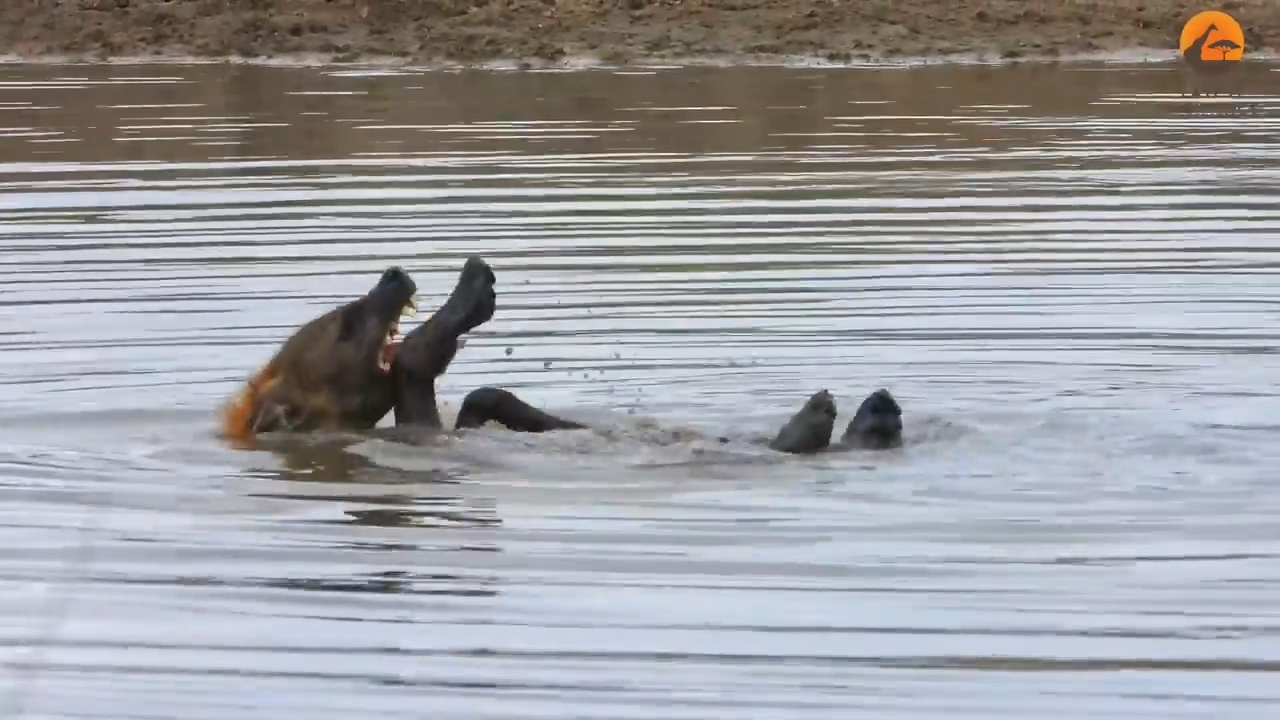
x: 1225, y: 46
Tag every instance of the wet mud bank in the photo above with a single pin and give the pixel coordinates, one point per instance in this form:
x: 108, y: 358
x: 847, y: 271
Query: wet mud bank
x: 608, y: 30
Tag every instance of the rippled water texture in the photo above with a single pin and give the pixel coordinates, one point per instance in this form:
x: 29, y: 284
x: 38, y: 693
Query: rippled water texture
x: 1067, y: 276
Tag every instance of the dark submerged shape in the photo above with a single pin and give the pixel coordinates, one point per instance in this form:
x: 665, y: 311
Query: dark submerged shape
x: 332, y: 372
x: 877, y: 425
x: 809, y: 430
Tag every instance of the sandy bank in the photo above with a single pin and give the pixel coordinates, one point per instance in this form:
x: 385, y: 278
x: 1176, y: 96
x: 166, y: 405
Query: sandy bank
x: 610, y: 30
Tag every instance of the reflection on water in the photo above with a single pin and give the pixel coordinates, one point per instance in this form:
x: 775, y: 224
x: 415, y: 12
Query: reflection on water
x: 1065, y: 275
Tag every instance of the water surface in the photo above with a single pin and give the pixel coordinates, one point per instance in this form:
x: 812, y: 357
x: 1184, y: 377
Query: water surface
x: 1066, y: 275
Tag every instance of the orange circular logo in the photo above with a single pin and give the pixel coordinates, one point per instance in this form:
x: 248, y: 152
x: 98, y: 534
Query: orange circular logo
x: 1212, y: 39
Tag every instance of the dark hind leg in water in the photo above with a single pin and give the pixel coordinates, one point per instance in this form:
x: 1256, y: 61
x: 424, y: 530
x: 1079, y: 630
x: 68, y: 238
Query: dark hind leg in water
x: 489, y: 404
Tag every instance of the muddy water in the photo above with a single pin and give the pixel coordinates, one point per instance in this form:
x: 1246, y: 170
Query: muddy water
x: 1067, y: 276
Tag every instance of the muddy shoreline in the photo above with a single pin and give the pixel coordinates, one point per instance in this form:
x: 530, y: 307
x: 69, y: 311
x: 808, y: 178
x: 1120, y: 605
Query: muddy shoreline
x: 609, y: 31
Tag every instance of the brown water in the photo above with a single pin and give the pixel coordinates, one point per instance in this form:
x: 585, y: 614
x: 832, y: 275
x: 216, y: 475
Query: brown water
x: 1067, y: 276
